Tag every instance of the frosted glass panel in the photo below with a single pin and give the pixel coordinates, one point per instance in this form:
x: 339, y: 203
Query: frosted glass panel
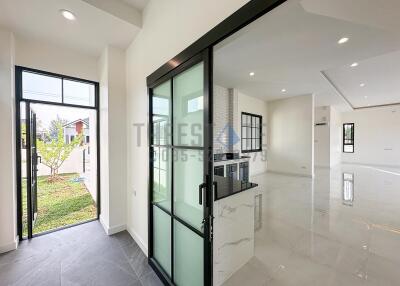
x: 41, y: 87
x: 78, y: 93
x: 188, y: 107
x: 188, y: 175
x: 162, y: 177
x: 188, y: 256
x: 162, y: 114
x: 162, y: 239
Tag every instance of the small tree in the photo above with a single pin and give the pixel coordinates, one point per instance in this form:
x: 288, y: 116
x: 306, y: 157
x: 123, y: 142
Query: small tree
x: 53, y: 128
x: 56, y: 151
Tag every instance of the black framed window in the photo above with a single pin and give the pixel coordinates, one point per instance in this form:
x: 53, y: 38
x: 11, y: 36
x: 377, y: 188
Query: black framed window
x: 46, y: 87
x: 251, y: 132
x: 348, y: 138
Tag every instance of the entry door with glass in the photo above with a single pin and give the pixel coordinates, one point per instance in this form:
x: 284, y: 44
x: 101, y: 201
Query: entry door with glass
x: 180, y: 208
x: 57, y: 163
x: 34, y: 160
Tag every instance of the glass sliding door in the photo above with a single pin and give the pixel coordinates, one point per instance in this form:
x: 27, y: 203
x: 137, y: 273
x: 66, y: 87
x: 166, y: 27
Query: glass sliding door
x: 180, y: 236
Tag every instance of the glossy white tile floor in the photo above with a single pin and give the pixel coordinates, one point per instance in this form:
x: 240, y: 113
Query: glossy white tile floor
x: 311, y: 236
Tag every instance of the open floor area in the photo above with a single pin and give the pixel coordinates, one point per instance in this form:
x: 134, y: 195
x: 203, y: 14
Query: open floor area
x: 327, y: 230
x: 200, y: 143
x: 82, y: 255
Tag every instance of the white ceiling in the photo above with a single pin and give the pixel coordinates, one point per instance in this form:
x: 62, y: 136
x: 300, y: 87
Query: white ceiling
x: 290, y: 48
x: 96, y: 25
x: 381, y: 76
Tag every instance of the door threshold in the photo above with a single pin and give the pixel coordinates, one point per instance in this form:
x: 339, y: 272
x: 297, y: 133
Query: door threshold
x: 59, y: 228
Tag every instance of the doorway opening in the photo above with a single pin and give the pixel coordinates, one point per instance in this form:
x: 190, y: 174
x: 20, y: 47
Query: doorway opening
x: 57, y: 151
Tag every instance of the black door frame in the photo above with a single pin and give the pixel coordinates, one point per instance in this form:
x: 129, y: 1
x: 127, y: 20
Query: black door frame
x: 18, y: 100
x: 206, y: 58
x: 250, y: 12
x: 31, y: 166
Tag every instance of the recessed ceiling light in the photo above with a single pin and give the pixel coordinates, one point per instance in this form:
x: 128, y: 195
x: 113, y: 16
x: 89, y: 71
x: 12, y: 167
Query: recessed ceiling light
x: 252, y: 73
x: 68, y: 15
x: 353, y: 65
x: 343, y: 40
x: 365, y: 96
x: 283, y: 90
x: 362, y: 84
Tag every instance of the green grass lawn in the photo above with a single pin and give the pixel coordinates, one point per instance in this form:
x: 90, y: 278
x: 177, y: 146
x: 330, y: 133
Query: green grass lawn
x: 60, y: 203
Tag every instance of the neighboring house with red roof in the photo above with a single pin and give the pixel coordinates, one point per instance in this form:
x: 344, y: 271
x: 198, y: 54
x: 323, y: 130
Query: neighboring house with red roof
x: 74, y: 128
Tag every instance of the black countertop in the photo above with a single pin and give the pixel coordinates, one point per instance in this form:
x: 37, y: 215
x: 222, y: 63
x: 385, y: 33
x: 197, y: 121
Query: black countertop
x: 227, y: 187
x: 219, y: 157
x: 223, y: 160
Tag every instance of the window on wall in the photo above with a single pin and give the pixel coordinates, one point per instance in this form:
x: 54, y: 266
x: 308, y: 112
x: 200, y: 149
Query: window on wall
x: 251, y: 132
x: 54, y: 88
x: 348, y: 138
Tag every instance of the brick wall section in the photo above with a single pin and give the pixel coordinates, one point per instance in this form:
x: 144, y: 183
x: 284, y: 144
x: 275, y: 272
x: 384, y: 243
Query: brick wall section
x: 223, y: 114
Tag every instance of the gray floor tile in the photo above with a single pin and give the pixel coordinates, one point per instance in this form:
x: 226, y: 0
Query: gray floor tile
x: 150, y: 279
x: 140, y: 265
x: 82, y: 255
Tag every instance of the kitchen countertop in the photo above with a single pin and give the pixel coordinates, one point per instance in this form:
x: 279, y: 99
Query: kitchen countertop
x: 227, y: 187
x: 224, y: 160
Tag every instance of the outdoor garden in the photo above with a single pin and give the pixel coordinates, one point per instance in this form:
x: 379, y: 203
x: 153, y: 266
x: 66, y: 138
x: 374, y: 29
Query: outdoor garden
x: 63, y: 198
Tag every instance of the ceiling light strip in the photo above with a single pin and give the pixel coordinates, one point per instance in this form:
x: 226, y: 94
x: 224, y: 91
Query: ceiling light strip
x: 379, y: 105
x: 338, y: 91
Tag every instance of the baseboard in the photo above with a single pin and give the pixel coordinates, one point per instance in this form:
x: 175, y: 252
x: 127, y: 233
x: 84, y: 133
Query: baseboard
x: 138, y: 240
x: 110, y: 230
x: 258, y: 173
x: 10, y: 246
x: 116, y: 228
x: 372, y: 165
x: 291, y: 174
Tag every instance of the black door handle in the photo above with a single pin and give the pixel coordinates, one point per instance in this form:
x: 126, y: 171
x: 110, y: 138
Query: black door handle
x: 201, y: 186
x: 215, y: 189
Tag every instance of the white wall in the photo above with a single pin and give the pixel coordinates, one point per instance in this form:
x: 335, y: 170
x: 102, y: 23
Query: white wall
x: 291, y: 135
x: 376, y: 136
x: 258, y: 160
x: 43, y: 56
x: 113, y: 140
x: 327, y: 138
x: 104, y: 153
x: 335, y: 137
x: 8, y: 229
x: 322, y: 152
x: 168, y: 28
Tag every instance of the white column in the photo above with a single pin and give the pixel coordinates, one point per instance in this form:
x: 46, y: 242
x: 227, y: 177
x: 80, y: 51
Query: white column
x: 8, y: 205
x: 113, y: 140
